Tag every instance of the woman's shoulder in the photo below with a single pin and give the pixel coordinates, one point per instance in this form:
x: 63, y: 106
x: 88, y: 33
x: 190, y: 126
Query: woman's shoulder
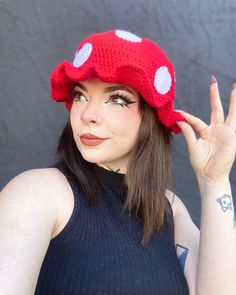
x: 41, y: 179
x: 44, y: 185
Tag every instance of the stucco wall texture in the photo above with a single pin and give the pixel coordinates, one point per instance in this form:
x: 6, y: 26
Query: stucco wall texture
x: 199, y: 37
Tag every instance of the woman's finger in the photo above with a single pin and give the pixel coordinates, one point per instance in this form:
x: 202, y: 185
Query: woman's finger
x: 197, y: 124
x: 188, y: 133
x: 217, y: 112
x: 231, y: 118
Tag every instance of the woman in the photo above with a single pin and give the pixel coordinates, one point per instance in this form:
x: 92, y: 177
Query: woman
x: 102, y: 220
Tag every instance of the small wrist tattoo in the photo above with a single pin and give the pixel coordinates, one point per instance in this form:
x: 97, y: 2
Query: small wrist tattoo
x: 225, y: 202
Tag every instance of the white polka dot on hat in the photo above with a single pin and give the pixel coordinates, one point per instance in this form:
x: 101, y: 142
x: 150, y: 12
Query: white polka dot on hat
x: 127, y: 36
x: 82, y: 55
x: 162, y: 80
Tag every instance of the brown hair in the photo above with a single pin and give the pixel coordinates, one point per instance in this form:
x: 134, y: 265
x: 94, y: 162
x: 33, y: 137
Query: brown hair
x: 148, y: 174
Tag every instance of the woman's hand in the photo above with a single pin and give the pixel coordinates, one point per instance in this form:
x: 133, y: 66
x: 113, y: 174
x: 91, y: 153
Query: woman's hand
x: 212, y: 154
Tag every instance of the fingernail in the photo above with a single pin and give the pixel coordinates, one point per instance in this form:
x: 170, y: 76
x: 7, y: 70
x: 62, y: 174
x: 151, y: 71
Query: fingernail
x: 180, y: 111
x: 234, y: 86
x: 213, y: 79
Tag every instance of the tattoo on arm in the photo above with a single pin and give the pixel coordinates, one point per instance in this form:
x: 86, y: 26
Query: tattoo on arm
x: 182, y: 253
x: 226, y: 204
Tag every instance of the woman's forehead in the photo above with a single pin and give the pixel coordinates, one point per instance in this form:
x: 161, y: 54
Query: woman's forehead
x: 110, y: 86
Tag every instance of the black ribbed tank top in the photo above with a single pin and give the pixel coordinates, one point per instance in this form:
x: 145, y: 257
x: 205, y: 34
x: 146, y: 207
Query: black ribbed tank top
x: 99, y: 251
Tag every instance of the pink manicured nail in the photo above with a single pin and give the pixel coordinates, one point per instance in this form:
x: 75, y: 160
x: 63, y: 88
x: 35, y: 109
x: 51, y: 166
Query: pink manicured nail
x: 234, y: 86
x: 213, y: 79
x: 180, y: 111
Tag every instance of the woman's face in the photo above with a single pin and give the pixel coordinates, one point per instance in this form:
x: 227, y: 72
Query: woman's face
x: 111, y: 112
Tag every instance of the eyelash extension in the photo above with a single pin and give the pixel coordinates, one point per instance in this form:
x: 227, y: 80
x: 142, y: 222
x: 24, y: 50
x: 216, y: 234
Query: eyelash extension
x: 112, y: 97
x: 126, y: 100
x: 74, y: 93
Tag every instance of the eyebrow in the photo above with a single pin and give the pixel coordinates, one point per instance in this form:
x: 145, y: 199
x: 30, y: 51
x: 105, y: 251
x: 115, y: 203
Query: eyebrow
x: 107, y: 89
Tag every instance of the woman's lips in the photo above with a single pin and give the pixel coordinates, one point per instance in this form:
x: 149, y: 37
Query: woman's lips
x: 91, y: 140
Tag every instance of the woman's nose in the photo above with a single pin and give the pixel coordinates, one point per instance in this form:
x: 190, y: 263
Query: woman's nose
x: 91, y: 114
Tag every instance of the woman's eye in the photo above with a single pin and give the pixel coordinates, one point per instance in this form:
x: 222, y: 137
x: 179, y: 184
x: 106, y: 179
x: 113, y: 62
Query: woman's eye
x: 117, y: 99
x: 78, y: 96
x: 120, y: 100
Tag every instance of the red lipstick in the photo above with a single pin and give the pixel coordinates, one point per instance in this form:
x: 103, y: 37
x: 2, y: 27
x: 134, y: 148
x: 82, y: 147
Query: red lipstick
x: 90, y: 139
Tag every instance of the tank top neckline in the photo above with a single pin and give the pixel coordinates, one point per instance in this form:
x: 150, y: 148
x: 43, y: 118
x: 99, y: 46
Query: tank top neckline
x: 109, y: 177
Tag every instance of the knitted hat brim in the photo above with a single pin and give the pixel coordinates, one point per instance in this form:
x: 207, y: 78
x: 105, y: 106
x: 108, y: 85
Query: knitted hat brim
x: 65, y: 75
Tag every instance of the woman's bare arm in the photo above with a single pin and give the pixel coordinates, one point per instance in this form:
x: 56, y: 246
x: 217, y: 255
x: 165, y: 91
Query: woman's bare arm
x: 28, y: 216
x: 212, y: 155
x: 187, y: 238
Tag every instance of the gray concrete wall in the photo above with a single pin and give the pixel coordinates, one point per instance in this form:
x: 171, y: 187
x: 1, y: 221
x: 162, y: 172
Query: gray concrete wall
x: 199, y: 36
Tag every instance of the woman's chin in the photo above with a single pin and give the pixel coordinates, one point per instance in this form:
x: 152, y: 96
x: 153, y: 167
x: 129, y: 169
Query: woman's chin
x: 93, y: 158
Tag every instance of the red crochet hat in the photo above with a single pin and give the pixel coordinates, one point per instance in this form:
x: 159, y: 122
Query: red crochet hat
x: 119, y: 56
